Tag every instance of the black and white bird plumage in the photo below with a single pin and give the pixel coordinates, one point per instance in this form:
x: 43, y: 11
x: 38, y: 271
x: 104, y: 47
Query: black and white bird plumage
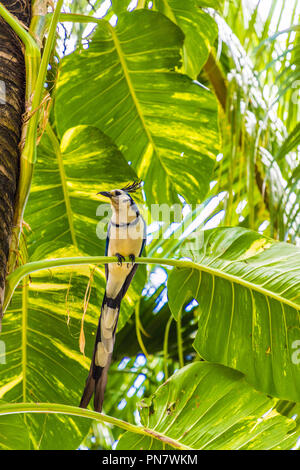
x: 126, y: 237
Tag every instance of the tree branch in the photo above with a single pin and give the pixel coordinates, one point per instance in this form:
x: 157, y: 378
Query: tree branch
x: 58, y: 408
x: 12, y: 107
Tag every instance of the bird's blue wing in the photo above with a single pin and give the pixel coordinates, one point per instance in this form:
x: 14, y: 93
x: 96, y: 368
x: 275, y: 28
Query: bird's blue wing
x: 144, y: 238
x: 106, y: 245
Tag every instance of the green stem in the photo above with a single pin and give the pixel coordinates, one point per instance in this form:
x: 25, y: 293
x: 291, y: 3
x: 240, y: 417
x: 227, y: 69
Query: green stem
x: 32, y: 62
x: 179, y: 340
x: 15, y: 277
x: 138, y: 328
x: 36, y: 70
x: 57, y: 408
x: 78, y: 18
x: 57, y: 151
x: 166, y: 340
x: 39, y: 89
x: 29, y: 151
x: 141, y: 4
x: 32, y: 51
x: 31, y: 56
x: 24, y: 334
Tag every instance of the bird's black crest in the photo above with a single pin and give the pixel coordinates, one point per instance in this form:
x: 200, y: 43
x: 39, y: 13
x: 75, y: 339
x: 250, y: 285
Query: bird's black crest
x: 133, y: 187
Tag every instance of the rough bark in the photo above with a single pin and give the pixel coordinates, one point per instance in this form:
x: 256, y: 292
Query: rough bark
x: 12, y: 105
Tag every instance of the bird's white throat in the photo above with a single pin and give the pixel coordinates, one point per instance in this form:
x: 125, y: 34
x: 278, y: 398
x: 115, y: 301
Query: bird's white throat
x: 123, y: 213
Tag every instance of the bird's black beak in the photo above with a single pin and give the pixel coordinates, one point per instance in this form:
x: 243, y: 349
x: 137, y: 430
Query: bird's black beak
x: 105, y: 193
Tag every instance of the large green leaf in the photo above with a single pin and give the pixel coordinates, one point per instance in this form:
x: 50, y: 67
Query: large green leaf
x: 247, y: 287
x: 43, y: 360
x: 13, y: 433
x: 41, y: 332
x: 199, y: 28
x: 126, y: 84
x: 119, y: 6
x: 207, y: 406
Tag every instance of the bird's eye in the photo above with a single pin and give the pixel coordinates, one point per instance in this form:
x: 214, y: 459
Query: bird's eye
x: 117, y: 193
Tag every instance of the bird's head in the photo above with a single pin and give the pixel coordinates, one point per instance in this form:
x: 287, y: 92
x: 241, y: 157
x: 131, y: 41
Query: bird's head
x: 120, y: 199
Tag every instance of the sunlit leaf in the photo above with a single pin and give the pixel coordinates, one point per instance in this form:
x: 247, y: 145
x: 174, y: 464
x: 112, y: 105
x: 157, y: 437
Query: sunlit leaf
x: 43, y: 324
x: 207, y: 406
x: 199, y: 28
x: 164, y: 123
x: 13, y: 433
x: 247, y: 288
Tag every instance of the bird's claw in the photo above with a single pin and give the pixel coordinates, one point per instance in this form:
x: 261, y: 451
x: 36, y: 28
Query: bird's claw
x: 120, y: 259
x: 132, y: 259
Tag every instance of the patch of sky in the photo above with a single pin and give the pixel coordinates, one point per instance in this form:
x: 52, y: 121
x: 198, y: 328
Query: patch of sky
x: 161, y: 300
x: 160, y: 376
x: 124, y: 363
x: 191, y: 305
x: 122, y: 404
x: 140, y: 360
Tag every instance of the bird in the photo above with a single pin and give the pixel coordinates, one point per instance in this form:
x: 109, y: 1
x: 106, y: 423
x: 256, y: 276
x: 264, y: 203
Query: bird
x: 126, y: 237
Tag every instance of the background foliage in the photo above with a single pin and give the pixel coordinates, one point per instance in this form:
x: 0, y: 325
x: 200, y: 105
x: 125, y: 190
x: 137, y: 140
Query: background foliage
x: 201, y: 101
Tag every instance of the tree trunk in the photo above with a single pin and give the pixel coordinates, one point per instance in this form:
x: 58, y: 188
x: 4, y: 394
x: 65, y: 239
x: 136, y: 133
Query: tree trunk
x: 12, y: 106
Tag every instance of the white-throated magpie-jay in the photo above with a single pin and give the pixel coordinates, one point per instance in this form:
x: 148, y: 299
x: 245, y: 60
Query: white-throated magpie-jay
x: 126, y: 236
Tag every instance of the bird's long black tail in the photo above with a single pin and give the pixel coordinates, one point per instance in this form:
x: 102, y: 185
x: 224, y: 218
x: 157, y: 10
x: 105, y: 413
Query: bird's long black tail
x: 103, y: 349
x: 104, y: 344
